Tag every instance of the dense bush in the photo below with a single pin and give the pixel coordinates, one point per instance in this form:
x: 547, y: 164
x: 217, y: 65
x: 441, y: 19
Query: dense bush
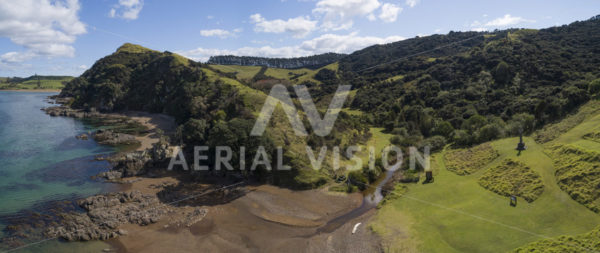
x: 513, y: 178
x: 470, y: 160
x: 525, y: 78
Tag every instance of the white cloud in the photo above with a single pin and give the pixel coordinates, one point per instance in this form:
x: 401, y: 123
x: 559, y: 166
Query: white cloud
x: 412, y: 3
x: 16, y: 57
x: 127, y: 9
x: 223, y: 34
x: 506, y: 21
x: 322, y: 44
x: 42, y: 27
x: 339, y: 14
x: 83, y: 67
x: 371, y: 17
x: 389, y: 12
x: 299, y: 27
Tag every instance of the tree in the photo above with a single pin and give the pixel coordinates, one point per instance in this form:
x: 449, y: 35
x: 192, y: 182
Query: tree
x: 443, y: 128
x: 194, y: 131
x: 474, y: 122
x: 462, y: 138
x: 489, y: 132
x: 594, y: 87
x: 521, y: 122
x: 502, y: 74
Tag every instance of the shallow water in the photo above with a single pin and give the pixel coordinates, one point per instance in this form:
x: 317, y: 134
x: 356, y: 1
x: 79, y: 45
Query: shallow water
x: 40, y: 159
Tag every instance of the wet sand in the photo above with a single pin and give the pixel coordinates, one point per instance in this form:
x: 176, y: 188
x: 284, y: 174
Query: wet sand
x: 265, y: 219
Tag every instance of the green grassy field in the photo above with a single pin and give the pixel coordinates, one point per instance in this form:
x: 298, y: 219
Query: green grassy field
x: 242, y: 72
x: 50, y: 84
x: 456, y: 214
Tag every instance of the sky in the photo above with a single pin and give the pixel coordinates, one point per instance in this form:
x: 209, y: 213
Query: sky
x: 66, y: 37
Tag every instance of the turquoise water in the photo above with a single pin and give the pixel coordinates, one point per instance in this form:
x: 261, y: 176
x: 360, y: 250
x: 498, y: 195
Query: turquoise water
x: 40, y: 159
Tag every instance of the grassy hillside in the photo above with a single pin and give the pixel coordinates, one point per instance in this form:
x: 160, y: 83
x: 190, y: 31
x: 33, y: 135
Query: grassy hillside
x: 456, y: 214
x: 31, y: 83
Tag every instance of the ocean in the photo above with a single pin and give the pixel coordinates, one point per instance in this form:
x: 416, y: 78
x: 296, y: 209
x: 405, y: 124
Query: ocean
x: 41, y: 162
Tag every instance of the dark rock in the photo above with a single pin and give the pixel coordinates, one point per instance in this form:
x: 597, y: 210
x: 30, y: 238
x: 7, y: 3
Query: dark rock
x: 107, y: 137
x: 105, y: 213
x: 82, y: 137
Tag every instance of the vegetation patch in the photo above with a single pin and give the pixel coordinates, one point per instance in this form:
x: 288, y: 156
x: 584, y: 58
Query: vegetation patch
x: 552, y: 131
x: 579, y: 243
x: 578, y: 174
x: 593, y: 136
x: 513, y: 178
x: 469, y: 160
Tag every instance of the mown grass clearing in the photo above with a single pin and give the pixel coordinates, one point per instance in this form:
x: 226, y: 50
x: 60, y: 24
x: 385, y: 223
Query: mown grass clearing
x: 242, y: 72
x: 456, y: 214
x: 50, y: 84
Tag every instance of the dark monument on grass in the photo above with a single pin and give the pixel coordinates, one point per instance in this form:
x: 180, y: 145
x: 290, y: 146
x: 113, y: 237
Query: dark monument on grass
x: 428, y: 177
x: 521, y: 145
x: 513, y: 200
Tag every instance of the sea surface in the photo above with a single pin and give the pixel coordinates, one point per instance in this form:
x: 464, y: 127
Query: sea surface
x: 41, y: 161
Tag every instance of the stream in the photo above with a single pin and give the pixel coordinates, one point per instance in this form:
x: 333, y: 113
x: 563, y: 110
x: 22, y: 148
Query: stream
x: 372, y: 197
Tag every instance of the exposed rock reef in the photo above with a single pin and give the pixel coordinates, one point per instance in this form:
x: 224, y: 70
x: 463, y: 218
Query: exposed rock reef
x: 105, y: 213
x: 108, y: 137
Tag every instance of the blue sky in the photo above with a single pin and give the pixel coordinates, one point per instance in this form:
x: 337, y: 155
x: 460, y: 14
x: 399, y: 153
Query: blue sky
x: 65, y: 37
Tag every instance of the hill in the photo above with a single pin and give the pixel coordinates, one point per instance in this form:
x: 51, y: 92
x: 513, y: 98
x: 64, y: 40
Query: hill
x: 477, y: 217
x: 311, y: 62
x: 34, y: 82
x: 463, y: 88
x: 211, y: 107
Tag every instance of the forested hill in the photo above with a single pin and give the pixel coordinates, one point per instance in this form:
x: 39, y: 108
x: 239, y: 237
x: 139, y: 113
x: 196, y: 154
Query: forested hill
x: 479, y: 89
x: 461, y: 88
x: 312, y: 62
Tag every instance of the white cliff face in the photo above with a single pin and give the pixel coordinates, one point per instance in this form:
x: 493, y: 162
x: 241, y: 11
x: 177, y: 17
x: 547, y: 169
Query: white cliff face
x: 314, y: 61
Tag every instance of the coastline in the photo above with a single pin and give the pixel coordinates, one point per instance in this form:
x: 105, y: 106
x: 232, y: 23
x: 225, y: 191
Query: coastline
x: 223, y: 219
x: 31, y: 90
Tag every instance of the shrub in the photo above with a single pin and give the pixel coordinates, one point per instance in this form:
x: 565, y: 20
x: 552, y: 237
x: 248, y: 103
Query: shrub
x: 513, y: 178
x: 594, y: 87
x: 435, y: 142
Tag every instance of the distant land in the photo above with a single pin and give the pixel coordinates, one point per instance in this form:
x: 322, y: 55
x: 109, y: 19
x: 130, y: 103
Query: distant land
x: 311, y: 62
x: 34, y: 82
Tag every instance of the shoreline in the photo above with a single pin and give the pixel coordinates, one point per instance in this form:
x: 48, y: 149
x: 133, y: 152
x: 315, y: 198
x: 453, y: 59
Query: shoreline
x: 248, y: 215
x: 31, y: 90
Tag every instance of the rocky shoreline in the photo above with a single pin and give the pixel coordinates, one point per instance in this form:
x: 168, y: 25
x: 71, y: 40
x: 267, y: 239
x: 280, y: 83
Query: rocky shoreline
x: 105, y: 213
x: 99, y: 217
